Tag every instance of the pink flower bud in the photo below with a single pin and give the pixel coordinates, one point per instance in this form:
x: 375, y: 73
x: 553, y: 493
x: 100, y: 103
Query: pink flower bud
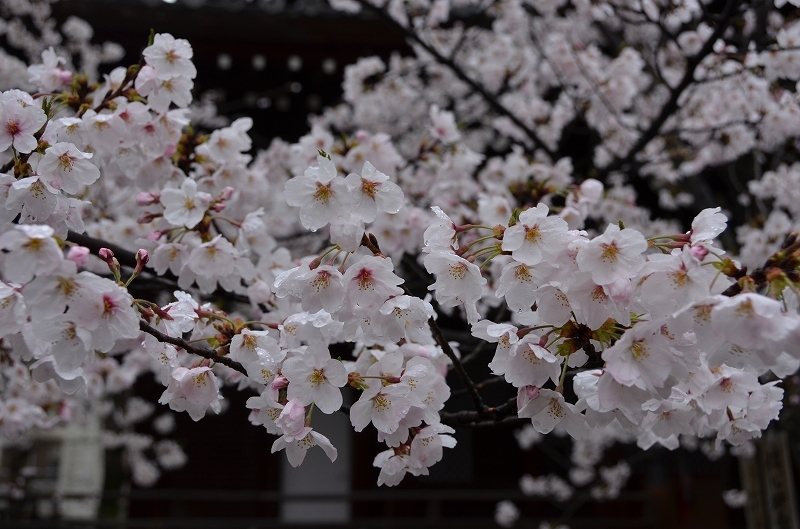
x: 279, y: 383
x: 64, y: 77
x: 292, y: 419
x: 362, y: 135
x: 147, y: 199
x: 525, y: 395
x: 219, y: 206
x: 106, y: 255
x: 156, y: 235
x: 142, y: 257
x: 78, y: 255
x: 146, y: 218
x: 699, y: 252
x: 226, y: 193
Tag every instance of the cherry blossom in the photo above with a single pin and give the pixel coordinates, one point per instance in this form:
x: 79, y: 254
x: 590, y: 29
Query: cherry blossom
x: 315, y: 377
x: 459, y: 164
x: 617, y: 254
x: 296, y: 448
x: 192, y: 390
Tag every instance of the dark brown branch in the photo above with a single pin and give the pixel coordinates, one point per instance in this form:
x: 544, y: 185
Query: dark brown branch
x: 671, y: 106
x: 371, y: 243
x: 127, y: 258
x: 183, y: 344
x: 503, y: 414
x: 477, y: 400
x: 480, y: 385
x: 496, y: 105
x: 785, y: 260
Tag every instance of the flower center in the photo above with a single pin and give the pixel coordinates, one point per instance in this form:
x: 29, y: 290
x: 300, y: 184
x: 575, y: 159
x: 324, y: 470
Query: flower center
x: 639, y: 350
x: 458, y: 271
x: 679, y: 277
x: 555, y: 411
x: 322, y: 280
x: 610, y: 252
x: 109, y: 306
x: 745, y: 309
x: 317, y: 378
x: 364, y: 279
x: 12, y: 127
x: 66, y: 162
x: 533, y: 235
x: 201, y: 379
x: 369, y: 188
x: 323, y: 193
x: 381, y: 402
x: 33, y: 245
x: 523, y: 274
x: 66, y: 286
x: 249, y: 342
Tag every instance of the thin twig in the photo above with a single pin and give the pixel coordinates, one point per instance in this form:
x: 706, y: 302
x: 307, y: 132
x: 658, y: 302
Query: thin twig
x: 371, y: 243
x: 480, y: 385
x: 128, y: 258
x: 672, y: 105
x: 183, y: 344
x: 477, y: 400
x: 505, y: 414
x: 461, y: 74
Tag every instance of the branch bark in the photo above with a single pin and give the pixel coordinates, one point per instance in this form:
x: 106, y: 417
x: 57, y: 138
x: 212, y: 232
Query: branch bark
x: 183, y: 344
x: 492, y: 101
x: 494, y: 416
x: 127, y: 258
x: 671, y: 105
x: 371, y: 243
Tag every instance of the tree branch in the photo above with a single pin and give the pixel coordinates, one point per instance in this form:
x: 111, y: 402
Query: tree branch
x: 128, y: 258
x: 371, y: 243
x: 671, y: 105
x: 480, y: 385
x: 503, y: 414
x: 183, y: 344
x: 786, y: 261
x: 496, y: 105
x: 477, y: 400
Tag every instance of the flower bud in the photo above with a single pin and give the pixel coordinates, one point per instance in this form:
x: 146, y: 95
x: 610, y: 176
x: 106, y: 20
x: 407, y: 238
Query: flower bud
x: 78, y: 255
x: 142, y: 258
x: 226, y: 193
x: 64, y: 77
x: 155, y: 236
x: 170, y: 150
x: 280, y: 383
x: 113, y: 265
x: 146, y: 218
x: 699, y: 252
x: 147, y: 199
x: 106, y: 255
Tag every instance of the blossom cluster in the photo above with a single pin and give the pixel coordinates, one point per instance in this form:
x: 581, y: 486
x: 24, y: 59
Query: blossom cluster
x: 291, y: 268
